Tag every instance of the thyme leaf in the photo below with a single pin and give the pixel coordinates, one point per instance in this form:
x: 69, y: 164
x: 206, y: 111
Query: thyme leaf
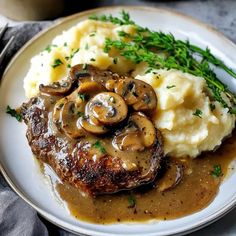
x: 99, y: 146
x: 143, y: 46
x: 217, y: 172
x: 14, y: 113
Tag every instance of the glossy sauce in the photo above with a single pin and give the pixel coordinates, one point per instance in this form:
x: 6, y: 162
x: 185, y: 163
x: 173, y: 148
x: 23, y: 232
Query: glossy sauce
x: 196, y: 191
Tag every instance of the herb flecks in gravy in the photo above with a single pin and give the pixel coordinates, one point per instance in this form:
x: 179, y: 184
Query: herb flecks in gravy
x: 196, y: 190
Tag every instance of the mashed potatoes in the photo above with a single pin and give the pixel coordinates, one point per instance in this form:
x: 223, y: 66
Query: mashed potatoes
x: 189, y: 121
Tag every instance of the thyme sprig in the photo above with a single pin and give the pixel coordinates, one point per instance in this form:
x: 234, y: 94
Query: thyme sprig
x: 161, y: 50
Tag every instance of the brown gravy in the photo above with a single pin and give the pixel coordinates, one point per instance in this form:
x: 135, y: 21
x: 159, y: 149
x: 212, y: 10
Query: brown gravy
x: 197, y: 190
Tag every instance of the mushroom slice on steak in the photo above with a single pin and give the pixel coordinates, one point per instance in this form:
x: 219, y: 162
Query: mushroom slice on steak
x: 108, y: 108
x: 56, y: 88
x: 137, y: 135
x: 69, y: 117
x: 88, y: 124
x: 137, y: 93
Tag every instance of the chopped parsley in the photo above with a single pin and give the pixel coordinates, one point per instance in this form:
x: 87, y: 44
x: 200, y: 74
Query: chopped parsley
x: 170, y: 86
x: 65, y: 44
x: 14, y: 113
x: 212, y: 107
x: 149, y: 70
x: 49, y: 47
x: 92, y: 34
x: 86, y: 47
x: 80, y: 113
x: 217, y: 172
x: 68, y: 66
x: 99, y: 146
x: 92, y: 59
x: 57, y: 62
x: 74, y: 51
x: 83, y: 97
x: 198, y: 113
x: 131, y: 201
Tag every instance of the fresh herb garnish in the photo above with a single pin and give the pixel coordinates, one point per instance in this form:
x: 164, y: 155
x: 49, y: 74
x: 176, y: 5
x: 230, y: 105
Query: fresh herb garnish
x: 86, y: 46
x: 83, y: 97
x: 217, y: 172
x: 99, y: 146
x: 198, y: 113
x: 212, y: 107
x: 173, y: 54
x: 92, y: 59
x: 68, y: 66
x: 74, y: 51
x: 92, y: 34
x: 170, y: 86
x: 14, y: 113
x: 149, y: 70
x: 57, y: 62
x: 80, y: 113
x: 65, y: 44
x: 131, y: 201
x: 49, y: 47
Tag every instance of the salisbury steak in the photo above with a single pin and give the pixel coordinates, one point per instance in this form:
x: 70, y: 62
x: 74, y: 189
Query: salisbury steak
x: 96, y: 134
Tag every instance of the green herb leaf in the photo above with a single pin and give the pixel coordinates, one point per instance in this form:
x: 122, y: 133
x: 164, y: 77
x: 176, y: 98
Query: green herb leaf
x: 74, y: 51
x: 217, y: 172
x: 92, y: 59
x: 83, y: 97
x: 14, y: 113
x: 198, y: 113
x: 170, y: 86
x: 131, y: 201
x: 99, y: 146
x: 80, y: 113
x: 92, y: 34
x: 65, y: 44
x: 56, y: 63
x: 172, y: 54
x: 49, y: 47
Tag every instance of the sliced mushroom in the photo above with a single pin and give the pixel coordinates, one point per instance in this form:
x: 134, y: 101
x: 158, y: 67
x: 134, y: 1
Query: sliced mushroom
x: 129, y: 142
x: 107, y: 107
x: 87, y: 124
x: 137, y: 135
x: 146, y: 127
x: 69, y: 116
x: 83, y: 72
x: 56, y: 88
x: 90, y: 87
x: 136, y: 93
x: 172, y: 177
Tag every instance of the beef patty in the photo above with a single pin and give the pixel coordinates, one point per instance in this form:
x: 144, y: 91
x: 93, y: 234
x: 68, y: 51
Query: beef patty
x: 94, y: 130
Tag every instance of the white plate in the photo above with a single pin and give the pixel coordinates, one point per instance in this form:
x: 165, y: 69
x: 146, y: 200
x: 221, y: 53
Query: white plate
x: 22, y: 173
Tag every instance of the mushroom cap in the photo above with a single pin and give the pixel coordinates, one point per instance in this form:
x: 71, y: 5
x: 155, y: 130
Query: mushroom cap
x: 107, y: 107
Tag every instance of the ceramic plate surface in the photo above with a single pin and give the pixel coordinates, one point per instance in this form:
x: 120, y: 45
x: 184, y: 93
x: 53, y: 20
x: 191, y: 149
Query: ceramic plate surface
x: 20, y: 169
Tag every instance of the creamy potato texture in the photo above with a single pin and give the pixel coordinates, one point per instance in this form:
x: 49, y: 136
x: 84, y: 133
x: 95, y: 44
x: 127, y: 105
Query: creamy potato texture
x: 189, y: 121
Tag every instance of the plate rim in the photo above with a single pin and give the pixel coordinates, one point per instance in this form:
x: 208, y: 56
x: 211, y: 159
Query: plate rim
x: 50, y: 217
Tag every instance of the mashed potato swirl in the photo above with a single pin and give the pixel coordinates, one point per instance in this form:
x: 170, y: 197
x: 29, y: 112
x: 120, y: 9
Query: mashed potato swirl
x: 189, y: 121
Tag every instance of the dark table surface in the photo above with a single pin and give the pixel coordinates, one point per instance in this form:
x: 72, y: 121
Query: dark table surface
x: 219, y: 14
